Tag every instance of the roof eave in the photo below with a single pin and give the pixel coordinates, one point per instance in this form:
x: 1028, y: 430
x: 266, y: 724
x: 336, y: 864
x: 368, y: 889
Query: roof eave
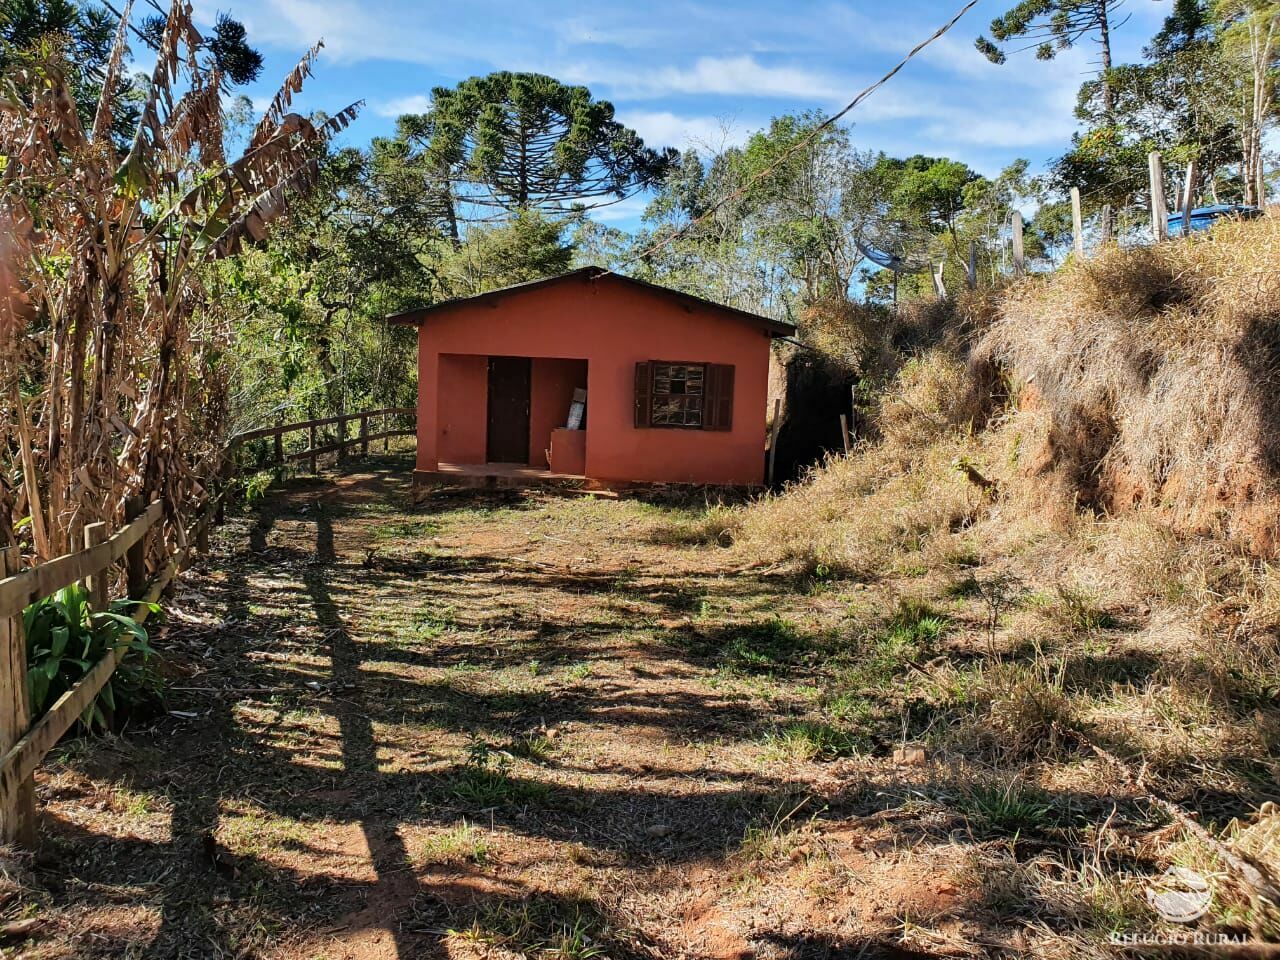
x: 774, y: 328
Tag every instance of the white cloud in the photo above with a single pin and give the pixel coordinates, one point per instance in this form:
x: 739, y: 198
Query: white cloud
x: 414, y: 103
x: 662, y: 128
x: 741, y: 76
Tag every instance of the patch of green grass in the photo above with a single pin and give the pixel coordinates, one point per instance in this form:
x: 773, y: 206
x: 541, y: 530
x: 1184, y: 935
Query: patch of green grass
x: 485, y: 779
x: 1011, y: 808
x: 916, y: 622
x: 763, y: 646
x: 541, y: 927
x: 849, y: 707
x: 432, y: 623
x: 405, y: 530
x: 809, y: 740
x: 461, y: 844
x: 966, y: 588
x: 964, y: 554
x: 578, y: 672
x: 532, y: 746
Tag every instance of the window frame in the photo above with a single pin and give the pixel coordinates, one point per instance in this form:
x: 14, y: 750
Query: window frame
x: 716, y: 407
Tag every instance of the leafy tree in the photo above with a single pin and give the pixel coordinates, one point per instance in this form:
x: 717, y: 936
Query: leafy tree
x: 1052, y: 26
x: 816, y: 204
x: 530, y: 246
x: 310, y: 306
x: 1251, y: 41
x: 86, y: 33
x: 522, y: 141
x: 932, y: 190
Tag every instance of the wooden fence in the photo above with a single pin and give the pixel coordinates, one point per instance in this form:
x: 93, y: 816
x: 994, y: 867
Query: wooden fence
x: 23, y: 745
x: 385, y: 418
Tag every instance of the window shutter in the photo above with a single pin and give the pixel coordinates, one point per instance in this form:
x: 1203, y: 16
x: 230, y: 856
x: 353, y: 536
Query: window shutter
x: 644, y: 393
x: 718, y: 412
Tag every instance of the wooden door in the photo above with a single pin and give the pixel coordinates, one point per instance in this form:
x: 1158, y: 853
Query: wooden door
x: 508, y: 428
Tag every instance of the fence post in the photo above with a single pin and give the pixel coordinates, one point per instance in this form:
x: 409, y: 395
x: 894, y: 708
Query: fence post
x: 342, y: 435
x: 1187, y: 201
x: 18, y: 818
x: 364, y: 434
x: 314, y: 463
x: 844, y: 433
x: 96, y: 584
x: 773, y: 436
x: 386, y: 429
x: 1077, y: 223
x: 1105, y: 222
x: 1159, y: 212
x: 135, y: 560
x: 279, y: 442
x: 1019, y: 261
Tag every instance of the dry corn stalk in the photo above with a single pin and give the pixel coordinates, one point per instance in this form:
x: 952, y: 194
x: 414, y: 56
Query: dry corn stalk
x: 110, y: 381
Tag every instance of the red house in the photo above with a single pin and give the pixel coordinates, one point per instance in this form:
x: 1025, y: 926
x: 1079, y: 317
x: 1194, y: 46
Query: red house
x: 592, y: 375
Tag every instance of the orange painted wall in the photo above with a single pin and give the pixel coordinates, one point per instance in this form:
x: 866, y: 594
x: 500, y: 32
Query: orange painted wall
x: 552, y: 381
x: 463, y: 397
x: 612, y: 325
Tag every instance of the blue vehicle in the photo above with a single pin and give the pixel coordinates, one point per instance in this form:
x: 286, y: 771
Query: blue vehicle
x: 1202, y: 218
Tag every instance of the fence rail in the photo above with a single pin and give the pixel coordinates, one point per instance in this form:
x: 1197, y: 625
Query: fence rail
x: 340, y: 446
x: 23, y: 745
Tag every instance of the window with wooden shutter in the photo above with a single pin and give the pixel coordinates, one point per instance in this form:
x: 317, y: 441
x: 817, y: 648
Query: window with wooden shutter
x: 644, y: 393
x: 682, y: 395
x: 719, y: 404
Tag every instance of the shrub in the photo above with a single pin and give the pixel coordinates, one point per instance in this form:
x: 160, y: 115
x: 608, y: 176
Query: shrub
x: 66, y: 639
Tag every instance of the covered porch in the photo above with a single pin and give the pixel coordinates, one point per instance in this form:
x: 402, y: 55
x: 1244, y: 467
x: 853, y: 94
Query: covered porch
x: 515, y: 419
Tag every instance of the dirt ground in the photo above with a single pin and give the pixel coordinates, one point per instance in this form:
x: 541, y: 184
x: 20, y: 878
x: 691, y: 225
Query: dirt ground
x: 531, y: 724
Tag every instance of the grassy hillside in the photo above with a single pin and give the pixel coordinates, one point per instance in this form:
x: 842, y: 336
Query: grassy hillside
x: 1080, y: 480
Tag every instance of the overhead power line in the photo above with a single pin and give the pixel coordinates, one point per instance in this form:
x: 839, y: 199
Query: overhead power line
x: 805, y: 141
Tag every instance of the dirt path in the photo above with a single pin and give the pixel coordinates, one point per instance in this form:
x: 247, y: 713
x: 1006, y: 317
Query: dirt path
x: 549, y: 726
x: 488, y: 727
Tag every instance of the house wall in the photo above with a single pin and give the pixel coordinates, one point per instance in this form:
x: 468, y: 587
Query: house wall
x: 460, y: 422
x: 551, y: 391
x: 612, y: 325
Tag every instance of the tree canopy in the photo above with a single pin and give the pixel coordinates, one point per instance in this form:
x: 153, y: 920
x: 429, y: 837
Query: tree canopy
x: 522, y: 141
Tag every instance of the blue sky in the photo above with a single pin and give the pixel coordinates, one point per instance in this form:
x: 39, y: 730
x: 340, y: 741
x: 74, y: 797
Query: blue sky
x: 703, y: 74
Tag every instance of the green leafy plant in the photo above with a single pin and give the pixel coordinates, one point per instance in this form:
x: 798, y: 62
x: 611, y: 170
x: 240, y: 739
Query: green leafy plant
x: 66, y: 639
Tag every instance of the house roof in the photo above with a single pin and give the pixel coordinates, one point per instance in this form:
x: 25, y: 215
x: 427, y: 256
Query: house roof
x: 775, y: 328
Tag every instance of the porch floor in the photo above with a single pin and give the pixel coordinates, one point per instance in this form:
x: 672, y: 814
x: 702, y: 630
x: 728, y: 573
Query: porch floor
x: 500, y: 475
x: 512, y: 470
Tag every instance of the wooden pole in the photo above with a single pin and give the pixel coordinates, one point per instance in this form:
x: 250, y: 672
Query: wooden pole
x: 96, y: 583
x: 853, y: 410
x: 971, y: 269
x: 1077, y: 223
x: 773, y: 438
x: 386, y: 429
x: 1159, y: 212
x: 135, y: 561
x: 1105, y: 220
x: 844, y: 433
x: 314, y: 462
x: 1019, y: 261
x: 279, y: 442
x: 364, y: 434
x: 18, y: 815
x: 1187, y: 201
